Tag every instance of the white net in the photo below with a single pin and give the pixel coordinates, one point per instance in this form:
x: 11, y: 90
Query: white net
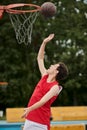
x: 23, y: 26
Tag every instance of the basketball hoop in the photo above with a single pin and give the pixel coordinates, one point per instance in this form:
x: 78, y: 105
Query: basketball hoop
x: 22, y: 17
x: 3, y: 83
x: 1, y: 11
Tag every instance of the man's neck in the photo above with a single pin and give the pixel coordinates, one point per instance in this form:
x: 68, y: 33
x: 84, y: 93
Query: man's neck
x: 51, y: 78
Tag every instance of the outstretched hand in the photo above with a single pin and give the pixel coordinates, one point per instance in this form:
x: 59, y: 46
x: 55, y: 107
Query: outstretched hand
x: 49, y: 38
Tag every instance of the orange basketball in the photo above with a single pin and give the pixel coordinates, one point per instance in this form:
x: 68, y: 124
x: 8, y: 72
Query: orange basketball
x: 48, y: 9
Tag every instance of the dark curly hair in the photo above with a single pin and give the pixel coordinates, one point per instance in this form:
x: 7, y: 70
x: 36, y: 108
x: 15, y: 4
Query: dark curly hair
x: 63, y: 71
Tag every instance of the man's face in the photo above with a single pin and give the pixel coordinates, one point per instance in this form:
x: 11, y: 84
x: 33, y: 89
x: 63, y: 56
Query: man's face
x: 53, y: 69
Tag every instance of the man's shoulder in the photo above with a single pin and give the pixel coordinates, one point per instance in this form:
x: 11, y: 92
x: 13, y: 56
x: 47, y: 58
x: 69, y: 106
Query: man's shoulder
x: 44, y: 74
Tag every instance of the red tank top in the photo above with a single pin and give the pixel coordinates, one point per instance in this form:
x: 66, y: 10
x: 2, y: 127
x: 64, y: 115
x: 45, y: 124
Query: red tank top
x: 41, y: 115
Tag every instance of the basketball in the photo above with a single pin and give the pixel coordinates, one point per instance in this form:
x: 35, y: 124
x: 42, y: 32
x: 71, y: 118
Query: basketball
x: 48, y: 9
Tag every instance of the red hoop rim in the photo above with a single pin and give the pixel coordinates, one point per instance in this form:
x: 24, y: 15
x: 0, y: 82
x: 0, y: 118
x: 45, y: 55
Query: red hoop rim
x: 3, y: 83
x: 14, y: 11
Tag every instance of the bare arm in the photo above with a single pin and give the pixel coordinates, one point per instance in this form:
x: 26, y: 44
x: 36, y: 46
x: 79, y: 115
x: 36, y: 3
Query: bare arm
x: 53, y: 92
x: 40, y: 57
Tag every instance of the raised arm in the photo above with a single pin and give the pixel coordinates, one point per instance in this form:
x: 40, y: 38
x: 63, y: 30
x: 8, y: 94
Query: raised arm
x: 40, y: 57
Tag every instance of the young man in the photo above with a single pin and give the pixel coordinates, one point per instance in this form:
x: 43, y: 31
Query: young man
x: 38, y: 112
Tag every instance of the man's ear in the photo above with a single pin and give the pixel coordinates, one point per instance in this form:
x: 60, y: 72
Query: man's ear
x: 57, y: 71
